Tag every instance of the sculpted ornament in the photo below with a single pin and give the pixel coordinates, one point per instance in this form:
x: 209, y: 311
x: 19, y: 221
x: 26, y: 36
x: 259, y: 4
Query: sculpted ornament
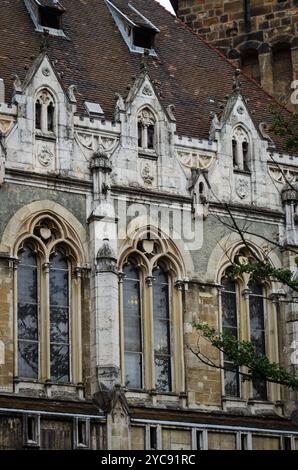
x: 196, y: 160
x: 5, y: 126
x: 146, y: 118
x: 242, y: 188
x: 147, y: 174
x: 45, y: 157
x: 93, y: 142
x: 147, y: 91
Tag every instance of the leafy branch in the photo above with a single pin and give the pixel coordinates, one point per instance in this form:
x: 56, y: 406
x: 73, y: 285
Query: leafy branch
x: 243, y: 354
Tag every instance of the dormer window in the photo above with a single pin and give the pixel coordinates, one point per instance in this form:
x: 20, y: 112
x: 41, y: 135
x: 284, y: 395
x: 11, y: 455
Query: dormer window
x: 50, y: 18
x: 45, y: 113
x: 46, y: 14
x: 146, y: 130
x: 137, y: 31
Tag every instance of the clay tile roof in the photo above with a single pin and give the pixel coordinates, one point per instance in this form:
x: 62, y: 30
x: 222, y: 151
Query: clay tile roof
x: 188, y: 72
x: 51, y: 4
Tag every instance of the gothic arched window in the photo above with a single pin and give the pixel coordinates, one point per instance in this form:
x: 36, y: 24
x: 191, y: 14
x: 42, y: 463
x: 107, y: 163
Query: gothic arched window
x: 45, y: 112
x: 241, y: 149
x: 151, y: 318
x: 48, y: 314
x: 146, y: 130
x: 244, y: 308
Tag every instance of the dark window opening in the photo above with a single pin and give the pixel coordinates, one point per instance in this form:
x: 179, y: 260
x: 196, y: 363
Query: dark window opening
x: 49, y: 18
x: 199, y: 440
x: 234, y: 144
x: 201, y: 188
x: 31, y: 429
x: 140, y: 138
x: 244, y: 443
x: 151, y: 137
x: 250, y: 64
x: 287, y: 443
x: 245, y: 155
x: 38, y: 116
x: 82, y: 433
x: 143, y: 37
x: 282, y: 71
x: 153, y: 438
x: 51, y: 110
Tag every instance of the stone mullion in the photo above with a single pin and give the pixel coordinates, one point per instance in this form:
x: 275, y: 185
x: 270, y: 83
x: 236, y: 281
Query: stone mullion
x: 121, y: 325
x: 149, y: 365
x: 245, y: 335
x: 177, y: 329
x: 15, y: 321
x: 76, y: 327
x: 45, y: 323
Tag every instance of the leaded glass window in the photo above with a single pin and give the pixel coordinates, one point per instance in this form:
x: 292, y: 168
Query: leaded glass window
x: 230, y: 326
x: 28, y: 315
x: 257, y: 333
x: 162, y: 331
x: 133, y: 341
x: 59, y: 317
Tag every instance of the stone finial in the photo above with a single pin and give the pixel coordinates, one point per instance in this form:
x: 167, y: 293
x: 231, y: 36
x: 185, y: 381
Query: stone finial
x: 144, y: 61
x: 17, y: 84
x: 170, y: 110
x: 290, y: 193
x: 2, y: 91
x: 236, y: 81
x: 100, y: 161
x: 106, y: 260
x: 71, y: 93
x: 45, y: 42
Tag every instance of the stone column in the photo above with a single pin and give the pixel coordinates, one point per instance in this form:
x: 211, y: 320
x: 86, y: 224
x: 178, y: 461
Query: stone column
x: 266, y: 68
x: 105, y: 340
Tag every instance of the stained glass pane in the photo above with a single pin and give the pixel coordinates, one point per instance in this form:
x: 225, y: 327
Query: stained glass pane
x: 133, y: 370
x: 28, y: 322
x: 231, y: 376
x: 28, y: 359
x: 230, y: 326
x: 161, y: 337
x: 59, y: 317
x: 60, y: 363
x: 162, y: 333
x: 60, y: 326
x: 132, y: 313
x: 257, y: 333
x: 163, y: 373
x: 28, y: 334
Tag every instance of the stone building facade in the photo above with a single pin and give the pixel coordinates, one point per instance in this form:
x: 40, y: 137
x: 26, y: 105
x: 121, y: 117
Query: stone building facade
x: 114, y: 188
x: 260, y: 36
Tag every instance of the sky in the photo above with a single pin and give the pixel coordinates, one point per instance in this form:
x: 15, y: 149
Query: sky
x: 167, y: 5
